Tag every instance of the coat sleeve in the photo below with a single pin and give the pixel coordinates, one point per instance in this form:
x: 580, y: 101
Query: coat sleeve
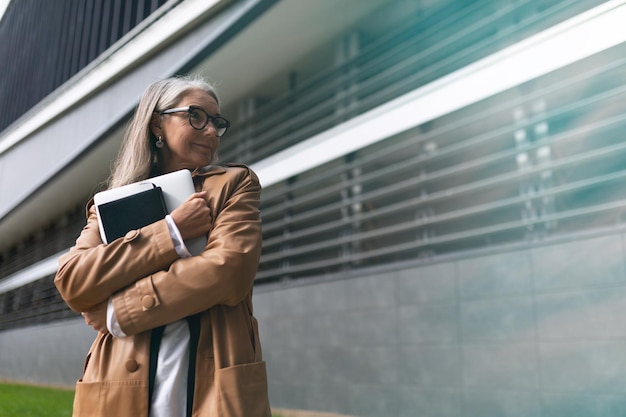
x: 222, y: 274
x: 91, y: 271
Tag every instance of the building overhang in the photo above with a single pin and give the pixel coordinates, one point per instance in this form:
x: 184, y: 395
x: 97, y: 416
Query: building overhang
x: 63, y: 148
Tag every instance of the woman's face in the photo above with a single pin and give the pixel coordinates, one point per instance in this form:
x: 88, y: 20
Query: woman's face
x: 186, y: 147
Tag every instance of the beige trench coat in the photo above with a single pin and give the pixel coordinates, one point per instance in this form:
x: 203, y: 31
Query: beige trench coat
x: 151, y: 286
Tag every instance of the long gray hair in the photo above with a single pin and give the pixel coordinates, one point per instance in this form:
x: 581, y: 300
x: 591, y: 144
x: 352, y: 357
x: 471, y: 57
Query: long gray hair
x: 137, y: 158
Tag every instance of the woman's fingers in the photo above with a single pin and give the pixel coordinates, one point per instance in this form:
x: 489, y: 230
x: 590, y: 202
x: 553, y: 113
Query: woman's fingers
x: 199, y: 194
x: 193, y: 216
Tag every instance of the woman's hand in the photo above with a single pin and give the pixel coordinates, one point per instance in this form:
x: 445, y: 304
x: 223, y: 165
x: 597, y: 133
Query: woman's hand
x: 193, y: 216
x: 97, y: 317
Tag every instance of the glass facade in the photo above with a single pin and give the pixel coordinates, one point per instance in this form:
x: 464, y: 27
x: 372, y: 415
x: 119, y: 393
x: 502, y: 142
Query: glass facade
x: 62, y: 37
x: 541, y: 160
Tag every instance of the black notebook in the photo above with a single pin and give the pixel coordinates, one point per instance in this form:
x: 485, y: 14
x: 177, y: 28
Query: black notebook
x: 120, y: 216
x: 176, y: 188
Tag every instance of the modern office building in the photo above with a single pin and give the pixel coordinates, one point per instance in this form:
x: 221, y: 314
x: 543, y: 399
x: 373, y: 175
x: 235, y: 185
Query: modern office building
x: 444, y: 189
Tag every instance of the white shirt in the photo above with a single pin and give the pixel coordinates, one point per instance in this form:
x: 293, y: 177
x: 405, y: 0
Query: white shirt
x: 169, y: 398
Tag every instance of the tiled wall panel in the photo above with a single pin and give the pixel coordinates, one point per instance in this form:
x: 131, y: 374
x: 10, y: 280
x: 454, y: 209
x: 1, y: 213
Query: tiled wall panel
x: 523, y: 333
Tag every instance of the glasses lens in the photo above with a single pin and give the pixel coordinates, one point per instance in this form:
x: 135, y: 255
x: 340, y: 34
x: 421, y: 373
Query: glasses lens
x: 221, y: 125
x: 197, y: 118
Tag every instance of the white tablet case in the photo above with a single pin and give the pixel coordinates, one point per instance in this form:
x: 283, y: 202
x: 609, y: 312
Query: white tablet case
x: 177, y: 186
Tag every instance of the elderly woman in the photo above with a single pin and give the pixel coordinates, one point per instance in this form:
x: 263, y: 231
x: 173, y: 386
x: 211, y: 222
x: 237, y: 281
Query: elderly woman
x: 176, y: 335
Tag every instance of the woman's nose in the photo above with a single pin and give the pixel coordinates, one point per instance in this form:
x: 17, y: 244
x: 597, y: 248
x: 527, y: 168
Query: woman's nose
x: 210, y: 133
x: 210, y: 127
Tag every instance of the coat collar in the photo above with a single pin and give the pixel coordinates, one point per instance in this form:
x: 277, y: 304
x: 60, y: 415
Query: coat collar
x: 208, y: 171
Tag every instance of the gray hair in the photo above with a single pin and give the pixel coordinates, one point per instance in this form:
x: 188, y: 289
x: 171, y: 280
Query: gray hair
x: 137, y: 158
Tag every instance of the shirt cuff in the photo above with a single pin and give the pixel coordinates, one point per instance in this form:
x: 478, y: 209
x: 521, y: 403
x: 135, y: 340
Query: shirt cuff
x: 112, y: 324
x: 179, y: 244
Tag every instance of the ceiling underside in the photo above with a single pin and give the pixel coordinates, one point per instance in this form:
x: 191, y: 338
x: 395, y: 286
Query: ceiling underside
x: 248, y: 64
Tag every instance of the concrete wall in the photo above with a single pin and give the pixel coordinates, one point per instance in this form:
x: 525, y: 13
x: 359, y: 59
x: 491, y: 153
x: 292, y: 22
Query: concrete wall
x: 532, y: 332
x: 537, y: 332
x: 51, y: 354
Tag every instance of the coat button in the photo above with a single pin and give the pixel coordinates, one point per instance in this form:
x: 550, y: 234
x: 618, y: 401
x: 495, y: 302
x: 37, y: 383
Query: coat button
x: 131, y: 235
x: 147, y: 301
x: 132, y: 365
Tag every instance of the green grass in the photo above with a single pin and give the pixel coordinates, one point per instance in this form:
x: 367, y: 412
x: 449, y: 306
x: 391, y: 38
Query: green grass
x: 30, y: 401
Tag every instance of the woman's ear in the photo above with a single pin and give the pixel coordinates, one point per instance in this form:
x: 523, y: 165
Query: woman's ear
x: 155, y: 125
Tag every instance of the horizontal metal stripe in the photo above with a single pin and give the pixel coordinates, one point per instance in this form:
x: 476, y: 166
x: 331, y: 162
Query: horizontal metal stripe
x: 458, y: 170
x: 438, y: 218
x: 433, y: 241
x: 33, y: 273
x: 475, y: 141
x: 494, y: 74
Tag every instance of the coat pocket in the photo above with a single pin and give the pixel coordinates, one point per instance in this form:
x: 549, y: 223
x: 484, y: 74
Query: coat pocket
x: 87, y: 399
x: 111, y: 398
x: 243, y: 390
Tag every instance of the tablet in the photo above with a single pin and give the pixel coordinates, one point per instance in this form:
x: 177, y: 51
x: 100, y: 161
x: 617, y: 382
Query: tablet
x: 176, y: 186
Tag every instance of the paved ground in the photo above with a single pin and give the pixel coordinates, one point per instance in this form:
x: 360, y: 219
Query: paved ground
x: 304, y: 413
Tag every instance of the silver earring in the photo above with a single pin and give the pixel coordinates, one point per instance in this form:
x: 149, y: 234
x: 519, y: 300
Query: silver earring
x: 159, y: 143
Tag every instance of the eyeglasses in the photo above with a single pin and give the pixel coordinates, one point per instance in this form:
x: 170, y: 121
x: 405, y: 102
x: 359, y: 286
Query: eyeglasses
x: 198, y: 119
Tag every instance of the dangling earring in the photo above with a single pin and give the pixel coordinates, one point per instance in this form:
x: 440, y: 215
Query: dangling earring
x: 159, y: 143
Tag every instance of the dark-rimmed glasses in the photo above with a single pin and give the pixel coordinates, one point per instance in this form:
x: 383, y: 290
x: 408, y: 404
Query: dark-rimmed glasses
x: 198, y: 119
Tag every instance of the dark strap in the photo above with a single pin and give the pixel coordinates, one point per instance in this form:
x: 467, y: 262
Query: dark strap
x: 194, y: 336
x: 155, y: 342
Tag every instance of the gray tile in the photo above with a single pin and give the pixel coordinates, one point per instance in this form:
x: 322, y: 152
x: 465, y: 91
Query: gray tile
x: 282, y: 364
x: 501, y: 366
x: 275, y: 332
x: 577, y: 404
x: 592, y: 262
x: 328, y: 397
x: 429, y: 402
x: 352, y: 366
x: 571, y: 404
x: 318, y: 365
x: 268, y: 304
x: 505, y: 319
x: 427, y: 324
x: 321, y: 330
x: 41, y: 354
x: 288, y: 301
x: 289, y: 395
x: 371, y: 327
x: 325, y: 297
x: 426, y: 366
x: 593, y: 313
x: 291, y: 331
x: 495, y: 275
x: 372, y: 291
x: 588, y: 366
x: 500, y: 403
x: 304, y: 300
x: 428, y: 284
x: 372, y: 400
